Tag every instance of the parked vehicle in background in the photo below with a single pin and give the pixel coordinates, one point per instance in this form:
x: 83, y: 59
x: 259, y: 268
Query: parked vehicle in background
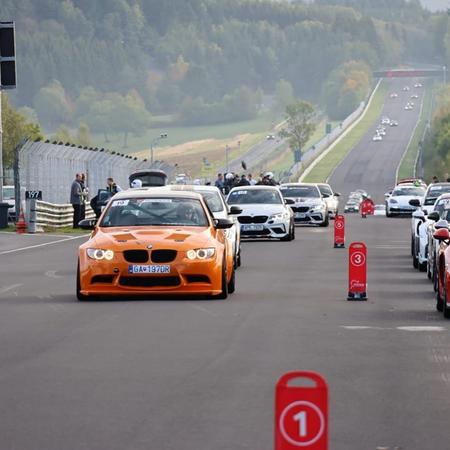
x: 432, y: 193
x: 149, y: 178
x: 9, y: 197
x: 309, y: 206
x: 380, y: 210
x: 398, y: 201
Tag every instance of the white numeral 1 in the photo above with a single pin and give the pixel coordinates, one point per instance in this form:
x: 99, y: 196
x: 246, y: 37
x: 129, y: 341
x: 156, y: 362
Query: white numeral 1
x: 301, y: 419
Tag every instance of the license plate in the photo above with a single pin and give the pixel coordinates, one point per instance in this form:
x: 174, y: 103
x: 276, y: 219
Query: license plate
x: 300, y: 215
x: 252, y: 227
x: 146, y: 269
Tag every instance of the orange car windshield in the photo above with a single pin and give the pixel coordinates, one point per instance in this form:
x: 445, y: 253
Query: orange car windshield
x: 155, y: 212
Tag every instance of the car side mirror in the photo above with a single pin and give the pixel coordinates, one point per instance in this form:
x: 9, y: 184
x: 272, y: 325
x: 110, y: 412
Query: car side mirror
x: 414, y: 202
x: 337, y: 194
x: 325, y: 195
x: 434, y: 215
x: 442, y: 234
x: 234, y: 210
x: 289, y: 201
x: 87, y: 224
x: 223, y: 224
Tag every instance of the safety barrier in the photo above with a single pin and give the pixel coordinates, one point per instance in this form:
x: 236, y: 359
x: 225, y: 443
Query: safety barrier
x: 57, y: 216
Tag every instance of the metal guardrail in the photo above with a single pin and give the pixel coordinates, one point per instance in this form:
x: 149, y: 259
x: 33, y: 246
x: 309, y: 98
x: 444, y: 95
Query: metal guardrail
x: 57, y: 215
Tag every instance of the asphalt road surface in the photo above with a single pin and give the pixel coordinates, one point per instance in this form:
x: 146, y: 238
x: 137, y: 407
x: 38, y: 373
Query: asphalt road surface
x: 200, y: 375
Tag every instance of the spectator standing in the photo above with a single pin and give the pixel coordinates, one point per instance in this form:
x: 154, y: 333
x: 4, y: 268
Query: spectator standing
x: 243, y: 181
x: 251, y: 180
x: 219, y: 182
x: 435, y: 179
x: 84, y: 195
x: 112, y: 186
x: 75, y: 199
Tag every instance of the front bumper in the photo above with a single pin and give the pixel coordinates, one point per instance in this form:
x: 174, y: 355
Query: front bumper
x: 266, y: 230
x: 304, y: 215
x: 185, y: 277
x: 398, y: 209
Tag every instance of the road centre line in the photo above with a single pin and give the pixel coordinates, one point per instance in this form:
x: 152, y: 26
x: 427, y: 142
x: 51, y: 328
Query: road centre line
x: 41, y: 245
x: 10, y: 288
x: 403, y: 328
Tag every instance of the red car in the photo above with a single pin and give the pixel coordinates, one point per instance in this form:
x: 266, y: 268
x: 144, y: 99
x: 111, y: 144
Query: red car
x: 443, y: 273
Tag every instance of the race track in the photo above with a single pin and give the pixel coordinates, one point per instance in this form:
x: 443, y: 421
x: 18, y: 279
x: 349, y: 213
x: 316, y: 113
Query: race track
x: 200, y: 375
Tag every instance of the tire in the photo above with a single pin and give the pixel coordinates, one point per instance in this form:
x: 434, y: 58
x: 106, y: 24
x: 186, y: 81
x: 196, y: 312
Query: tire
x: 428, y: 271
x: 232, y: 284
x: 388, y: 214
x: 326, y: 222
x: 224, y: 294
x: 439, y: 305
x: 415, y: 261
x: 435, y: 279
x: 81, y: 297
x: 239, y: 259
x: 293, y: 231
x: 289, y: 237
x: 423, y: 267
x: 412, y: 245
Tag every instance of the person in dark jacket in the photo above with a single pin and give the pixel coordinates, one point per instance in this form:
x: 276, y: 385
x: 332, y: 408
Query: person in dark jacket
x: 243, y: 181
x: 76, y: 199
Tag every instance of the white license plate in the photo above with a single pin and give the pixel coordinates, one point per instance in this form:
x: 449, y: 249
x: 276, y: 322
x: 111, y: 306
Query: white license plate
x: 300, y: 215
x: 252, y: 227
x: 153, y: 268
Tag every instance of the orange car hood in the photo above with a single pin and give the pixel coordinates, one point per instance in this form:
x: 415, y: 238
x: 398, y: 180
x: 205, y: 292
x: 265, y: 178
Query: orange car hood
x: 122, y: 238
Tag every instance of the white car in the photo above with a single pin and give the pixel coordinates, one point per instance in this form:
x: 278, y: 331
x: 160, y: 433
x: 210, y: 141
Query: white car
x: 393, y: 123
x: 433, y: 192
x: 352, y: 206
x: 406, y: 88
x: 394, y: 95
x: 270, y: 137
x: 265, y: 213
x: 8, y: 197
x: 220, y: 210
x: 377, y: 137
x: 408, y: 107
x: 379, y: 210
x: 414, y: 96
x: 385, y: 120
x: 420, y: 237
x: 309, y: 207
x: 418, y: 85
x: 331, y: 198
x: 398, y: 201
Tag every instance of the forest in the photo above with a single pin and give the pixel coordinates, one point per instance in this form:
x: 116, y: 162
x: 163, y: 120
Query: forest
x: 121, y: 65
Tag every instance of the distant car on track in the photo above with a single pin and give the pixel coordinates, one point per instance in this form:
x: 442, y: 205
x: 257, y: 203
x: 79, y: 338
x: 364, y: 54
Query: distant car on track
x: 331, y: 198
x: 393, y: 95
x: 309, y: 207
x: 380, y: 210
x: 377, y: 137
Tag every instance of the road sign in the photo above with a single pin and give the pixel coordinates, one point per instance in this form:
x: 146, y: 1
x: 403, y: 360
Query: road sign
x: 301, y: 412
x: 357, y: 271
x: 339, y: 231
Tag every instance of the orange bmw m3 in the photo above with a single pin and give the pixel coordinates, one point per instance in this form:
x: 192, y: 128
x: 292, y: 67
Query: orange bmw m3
x: 156, y: 242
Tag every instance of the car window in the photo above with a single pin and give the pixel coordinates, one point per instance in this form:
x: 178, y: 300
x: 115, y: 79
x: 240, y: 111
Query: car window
x: 404, y: 191
x: 260, y: 196
x: 434, y: 192
x: 155, y: 212
x: 213, y: 200
x: 300, y: 191
x: 324, y: 189
x: 8, y: 193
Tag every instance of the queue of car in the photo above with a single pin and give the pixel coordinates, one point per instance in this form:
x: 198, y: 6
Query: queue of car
x: 186, y: 239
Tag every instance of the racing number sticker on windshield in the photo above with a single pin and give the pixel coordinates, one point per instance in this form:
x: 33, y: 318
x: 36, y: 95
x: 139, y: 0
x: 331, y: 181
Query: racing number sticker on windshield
x: 120, y: 203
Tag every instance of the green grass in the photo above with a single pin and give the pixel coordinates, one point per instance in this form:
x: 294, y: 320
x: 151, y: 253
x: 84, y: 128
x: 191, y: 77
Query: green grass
x: 65, y: 230
x: 324, y: 168
x: 180, y: 135
x: 11, y: 228
x: 406, y: 169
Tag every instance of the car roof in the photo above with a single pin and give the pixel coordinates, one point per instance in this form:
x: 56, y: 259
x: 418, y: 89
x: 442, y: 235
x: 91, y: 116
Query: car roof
x: 156, y: 192
x: 192, y: 188
x: 297, y: 184
x: 254, y: 188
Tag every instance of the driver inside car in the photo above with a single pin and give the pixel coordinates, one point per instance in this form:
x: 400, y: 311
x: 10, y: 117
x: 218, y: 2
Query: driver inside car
x: 186, y: 214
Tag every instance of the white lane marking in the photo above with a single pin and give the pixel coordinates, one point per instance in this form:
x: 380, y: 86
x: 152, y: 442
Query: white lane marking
x: 52, y: 274
x: 42, y: 245
x: 407, y: 328
x: 421, y: 328
x: 10, y: 288
x: 388, y: 247
x: 200, y: 308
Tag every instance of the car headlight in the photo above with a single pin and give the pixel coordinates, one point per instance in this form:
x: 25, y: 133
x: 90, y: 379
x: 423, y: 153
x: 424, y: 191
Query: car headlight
x: 201, y: 253
x: 392, y: 200
x: 280, y: 216
x: 318, y: 208
x: 99, y: 254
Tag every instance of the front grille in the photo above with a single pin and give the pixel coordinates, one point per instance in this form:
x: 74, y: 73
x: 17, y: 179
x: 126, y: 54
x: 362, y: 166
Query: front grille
x: 197, y: 279
x: 149, y: 281
x: 255, y: 232
x: 163, y: 256
x: 252, y: 219
x: 278, y: 230
x: 301, y: 209
x: 102, y: 279
x: 136, y: 256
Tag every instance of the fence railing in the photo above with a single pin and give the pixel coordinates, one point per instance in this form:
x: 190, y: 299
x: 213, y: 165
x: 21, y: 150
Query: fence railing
x: 57, y: 215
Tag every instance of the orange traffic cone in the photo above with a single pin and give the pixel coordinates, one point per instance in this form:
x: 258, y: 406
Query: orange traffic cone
x: 21, y: 225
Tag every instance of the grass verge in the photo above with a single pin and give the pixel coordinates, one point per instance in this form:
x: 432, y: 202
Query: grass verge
x: 406, y: 169
x: 326, y: 166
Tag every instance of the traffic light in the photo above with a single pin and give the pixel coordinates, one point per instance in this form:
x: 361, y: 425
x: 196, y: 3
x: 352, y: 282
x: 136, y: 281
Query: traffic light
x: 7, y: 56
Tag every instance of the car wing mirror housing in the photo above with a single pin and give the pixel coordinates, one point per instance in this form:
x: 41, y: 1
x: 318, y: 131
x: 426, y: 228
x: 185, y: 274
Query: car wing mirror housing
x: 434, y: 215
x: 223, y: 224
x: 442, y: 234
x: 235, y: 210
x: 87, y: 224
x: 289, y: 201
x: 337, y: 194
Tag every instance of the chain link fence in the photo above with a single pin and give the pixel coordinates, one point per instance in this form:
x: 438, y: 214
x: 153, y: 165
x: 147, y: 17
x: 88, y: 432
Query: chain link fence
x: 51, y: 168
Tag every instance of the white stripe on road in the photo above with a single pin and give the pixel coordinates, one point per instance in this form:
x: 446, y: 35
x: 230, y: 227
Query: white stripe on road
x: 42, y: 245
x: 407, y: 328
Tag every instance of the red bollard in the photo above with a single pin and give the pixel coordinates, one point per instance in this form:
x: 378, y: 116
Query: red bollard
x: 301, y: 412
x: 339, y: 231
x: 357, y: 271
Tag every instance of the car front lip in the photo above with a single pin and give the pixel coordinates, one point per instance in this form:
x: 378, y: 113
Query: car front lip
x: 270, y: 230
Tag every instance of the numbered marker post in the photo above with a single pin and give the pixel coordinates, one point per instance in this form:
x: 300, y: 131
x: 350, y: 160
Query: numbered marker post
x: 301, y: 412
x: 357, y: 271
x: 339, y: 231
